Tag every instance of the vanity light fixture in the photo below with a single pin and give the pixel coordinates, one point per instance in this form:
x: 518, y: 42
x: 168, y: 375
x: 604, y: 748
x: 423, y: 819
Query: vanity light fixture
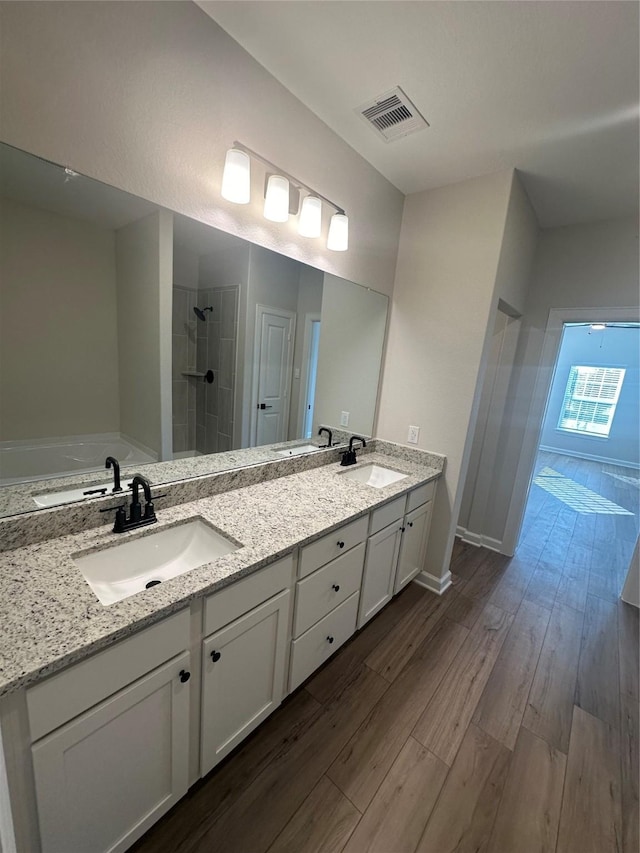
x: 282, y: 192
x: 310, y: 222
x: 276, y: 199
x: 338, y: 240
x: 236, y: 178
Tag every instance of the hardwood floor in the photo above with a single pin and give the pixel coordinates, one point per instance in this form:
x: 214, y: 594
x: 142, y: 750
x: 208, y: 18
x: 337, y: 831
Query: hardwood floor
x: 500, y: 718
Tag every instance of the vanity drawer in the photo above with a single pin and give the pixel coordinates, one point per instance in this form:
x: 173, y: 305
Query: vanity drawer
x: 333, y: 545
x: 243, y: 595
x: 78, y: 688
x: 317, y: 595
x: 387, y: 514
x: 313, y: 648
x: 421, y: 495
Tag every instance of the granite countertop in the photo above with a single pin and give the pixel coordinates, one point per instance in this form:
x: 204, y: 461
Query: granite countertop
x: 50, y: 617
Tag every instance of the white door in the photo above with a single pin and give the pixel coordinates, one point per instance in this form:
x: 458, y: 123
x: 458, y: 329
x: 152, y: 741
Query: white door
x: 379, y: 571
x: 104, y: 778
x: 274, y: 349
x: 242, y: 677
x: 310, y: 352
x: 414, y: 537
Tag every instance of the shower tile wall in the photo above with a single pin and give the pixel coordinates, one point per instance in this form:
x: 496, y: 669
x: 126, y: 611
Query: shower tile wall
x: 184, y: 330
x: 216, y: 350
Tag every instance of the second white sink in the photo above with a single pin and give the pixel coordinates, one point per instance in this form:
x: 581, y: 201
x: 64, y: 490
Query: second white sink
x: 297, y: 451
x: 132, y: 566
x: 375, y: 475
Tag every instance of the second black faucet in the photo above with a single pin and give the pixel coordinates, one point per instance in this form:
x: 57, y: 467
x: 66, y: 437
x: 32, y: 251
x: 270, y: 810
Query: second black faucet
x: 349, y: 456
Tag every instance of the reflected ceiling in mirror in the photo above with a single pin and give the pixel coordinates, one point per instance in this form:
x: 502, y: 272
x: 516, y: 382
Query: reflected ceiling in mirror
x: 130, y: 331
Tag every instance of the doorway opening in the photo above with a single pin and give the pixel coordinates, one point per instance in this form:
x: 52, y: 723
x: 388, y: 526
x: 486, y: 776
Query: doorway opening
x: 581, y: 519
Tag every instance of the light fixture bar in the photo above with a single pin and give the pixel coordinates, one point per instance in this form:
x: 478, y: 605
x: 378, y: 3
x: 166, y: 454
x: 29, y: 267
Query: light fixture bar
x: 292, y: 180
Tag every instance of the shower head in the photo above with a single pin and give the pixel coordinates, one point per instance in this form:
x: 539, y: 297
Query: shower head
x: 199, y: 312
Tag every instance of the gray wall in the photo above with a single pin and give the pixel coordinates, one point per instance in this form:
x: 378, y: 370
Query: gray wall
x: 58, y: 287
x: 613, y: 347
x: 148, y: 97
x: 463, y: 247
x: 144, y: 252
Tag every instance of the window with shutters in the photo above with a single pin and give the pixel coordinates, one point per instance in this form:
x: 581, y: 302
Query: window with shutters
x: 590, y: 399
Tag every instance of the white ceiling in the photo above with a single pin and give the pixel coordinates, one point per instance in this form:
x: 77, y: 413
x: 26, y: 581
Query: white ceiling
x: 550, y: 88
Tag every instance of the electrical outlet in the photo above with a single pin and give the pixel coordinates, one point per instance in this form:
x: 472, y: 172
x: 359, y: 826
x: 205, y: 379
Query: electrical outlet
x: 344, y: 419
x: 414, y: 432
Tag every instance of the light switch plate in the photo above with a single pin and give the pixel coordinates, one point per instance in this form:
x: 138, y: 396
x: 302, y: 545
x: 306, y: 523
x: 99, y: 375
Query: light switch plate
x: 344, y: 419
x: 414, y: 432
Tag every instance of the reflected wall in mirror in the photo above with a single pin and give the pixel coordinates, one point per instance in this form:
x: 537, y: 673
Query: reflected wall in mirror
x: 102, y: 351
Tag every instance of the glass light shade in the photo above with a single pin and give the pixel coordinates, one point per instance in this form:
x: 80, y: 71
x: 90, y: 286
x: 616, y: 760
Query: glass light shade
x: 338, y: 240
x: 310, y: 222
x: 236, y: 178
x: 276, y: 202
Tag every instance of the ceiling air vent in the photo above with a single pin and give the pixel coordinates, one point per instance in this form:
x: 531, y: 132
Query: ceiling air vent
x: 392, y: 115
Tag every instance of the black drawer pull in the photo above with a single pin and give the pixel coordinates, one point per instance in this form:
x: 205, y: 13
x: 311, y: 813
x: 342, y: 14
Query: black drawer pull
x: 184, y: 676
x: 336, y: 587
x: 402, y: 529
x: 340, y: 544
x: 410, y: 523
x: 330, y: 639
x: 215, y: 656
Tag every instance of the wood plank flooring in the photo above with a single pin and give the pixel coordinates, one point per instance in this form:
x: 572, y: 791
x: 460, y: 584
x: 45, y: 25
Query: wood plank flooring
x: 500, y: 718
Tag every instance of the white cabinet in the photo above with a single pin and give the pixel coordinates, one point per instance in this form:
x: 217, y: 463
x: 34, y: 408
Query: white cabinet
x: 105, y: 777
x: 242, y: 677
x: 317, y: 644
x: 414, y: 537
x: 395, y: 553
x: 379, y: 571
x: 319, y: 593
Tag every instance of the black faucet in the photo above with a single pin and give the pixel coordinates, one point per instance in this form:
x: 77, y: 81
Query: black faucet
x: 136, y: 517
x: 349, y: 456
x: 329, y: 433
x: 112, y: 462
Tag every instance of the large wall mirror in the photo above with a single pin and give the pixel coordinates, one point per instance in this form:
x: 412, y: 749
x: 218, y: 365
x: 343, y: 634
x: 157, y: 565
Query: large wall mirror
x: 131, y: 331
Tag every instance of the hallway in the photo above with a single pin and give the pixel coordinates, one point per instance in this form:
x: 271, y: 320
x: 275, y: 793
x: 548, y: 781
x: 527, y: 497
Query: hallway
x: 501, y: 717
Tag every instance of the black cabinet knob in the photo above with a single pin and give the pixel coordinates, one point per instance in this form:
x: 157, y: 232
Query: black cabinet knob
x: 402, y: 529
x: 336, y: 587
x: 215, y: 656
x: 340, y: 544
x: 330, y: 639
x: 184, y: 675
x: 410, y: 523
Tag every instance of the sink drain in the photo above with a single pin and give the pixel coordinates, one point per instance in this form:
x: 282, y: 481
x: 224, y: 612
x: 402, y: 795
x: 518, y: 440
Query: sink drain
x: 151, y: 583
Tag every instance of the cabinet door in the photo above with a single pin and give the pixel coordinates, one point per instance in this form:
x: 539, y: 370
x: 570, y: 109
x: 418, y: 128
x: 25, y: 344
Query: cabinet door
x: 416, y: 528
x: 104, y: 778
x: 379, y: 571
x: 242, y: 677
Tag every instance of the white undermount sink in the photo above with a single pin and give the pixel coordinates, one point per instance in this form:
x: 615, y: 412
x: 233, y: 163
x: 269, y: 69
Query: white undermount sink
x: 375, y: 475
x: 297, y: 451
x: 132, y: 566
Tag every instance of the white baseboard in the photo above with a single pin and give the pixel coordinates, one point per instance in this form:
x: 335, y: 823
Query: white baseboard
x: 590, y: 456
x: 479, y: 540
x: 432, y: 583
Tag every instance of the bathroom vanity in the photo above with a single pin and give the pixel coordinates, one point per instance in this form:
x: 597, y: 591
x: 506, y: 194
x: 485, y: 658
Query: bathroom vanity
x: 109, y: 713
